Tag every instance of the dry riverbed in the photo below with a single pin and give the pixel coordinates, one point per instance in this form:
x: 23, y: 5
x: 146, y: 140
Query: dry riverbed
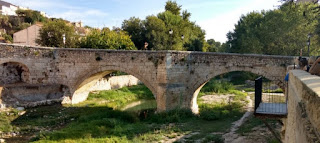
x: 188, y: 131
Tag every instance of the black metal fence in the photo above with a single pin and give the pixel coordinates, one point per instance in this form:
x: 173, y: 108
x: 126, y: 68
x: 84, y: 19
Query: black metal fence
x: 270, y: 98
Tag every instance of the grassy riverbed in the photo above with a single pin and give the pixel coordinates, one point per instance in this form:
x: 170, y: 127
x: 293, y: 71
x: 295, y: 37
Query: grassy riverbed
x: 100, y: 119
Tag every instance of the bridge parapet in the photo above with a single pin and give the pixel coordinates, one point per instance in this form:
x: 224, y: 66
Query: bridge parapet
x: 303, y: 123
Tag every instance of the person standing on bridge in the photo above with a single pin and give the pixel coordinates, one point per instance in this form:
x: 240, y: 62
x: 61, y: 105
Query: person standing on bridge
x: 145, y: 47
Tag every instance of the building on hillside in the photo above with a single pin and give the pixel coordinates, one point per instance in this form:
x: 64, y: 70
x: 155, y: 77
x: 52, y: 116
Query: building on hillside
x: 77, y: 24
x: 43, y: 14
x: 27, y: 36
x: 81, y: 31
x: 9, y: 9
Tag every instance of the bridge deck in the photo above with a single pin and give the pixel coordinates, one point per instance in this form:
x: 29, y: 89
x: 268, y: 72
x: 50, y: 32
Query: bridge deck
x: 272, y: 109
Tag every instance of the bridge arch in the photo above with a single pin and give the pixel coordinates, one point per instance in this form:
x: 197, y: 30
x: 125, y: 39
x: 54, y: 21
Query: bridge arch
x: 197, y: 85
x: 12, y: 72
x: 79, y: 91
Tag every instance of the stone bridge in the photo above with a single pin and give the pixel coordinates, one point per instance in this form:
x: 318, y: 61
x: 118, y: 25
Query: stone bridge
x: 175, y: 78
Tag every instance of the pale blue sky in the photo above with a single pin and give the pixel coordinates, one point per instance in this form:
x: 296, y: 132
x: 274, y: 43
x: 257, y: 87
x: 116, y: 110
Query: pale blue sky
x: 216, y: 17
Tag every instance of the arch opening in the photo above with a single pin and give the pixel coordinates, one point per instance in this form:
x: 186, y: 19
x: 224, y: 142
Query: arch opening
x: 115, y: 85
x: 233, y: 87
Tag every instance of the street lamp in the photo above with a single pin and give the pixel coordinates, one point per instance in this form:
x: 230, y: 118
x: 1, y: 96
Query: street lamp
x: 64, y: 39
x: 171, y: 33
x: 182, y: 37
x: 308, y: 43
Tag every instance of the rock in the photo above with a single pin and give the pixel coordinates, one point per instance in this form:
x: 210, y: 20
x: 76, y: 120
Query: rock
x: 20, y: 108
x: 13, y: 134
x: 2, y: 141
x: 2, y: 106
x: 22, y: 113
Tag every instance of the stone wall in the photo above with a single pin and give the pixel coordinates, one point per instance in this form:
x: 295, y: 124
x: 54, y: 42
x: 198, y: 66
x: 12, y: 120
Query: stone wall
x: 302, y: 124
x: 31, y: 95
x: 13, y: 73
x: 114, y: 82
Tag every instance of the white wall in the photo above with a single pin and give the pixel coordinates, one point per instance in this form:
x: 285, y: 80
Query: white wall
x: 9, y: 10
x: 115, y: 82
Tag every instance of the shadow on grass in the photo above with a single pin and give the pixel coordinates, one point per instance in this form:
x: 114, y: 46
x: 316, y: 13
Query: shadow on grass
x: 57, y: 123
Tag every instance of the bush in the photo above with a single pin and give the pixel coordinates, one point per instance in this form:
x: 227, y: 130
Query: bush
x: 7, y: 38
x: 217, y: 86
x: 220, y: 111
x: 173, y: 116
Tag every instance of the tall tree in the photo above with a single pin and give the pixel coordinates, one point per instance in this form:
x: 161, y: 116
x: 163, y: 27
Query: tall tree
x: 173, y: 7
x: 136, y: 29
x: 107, y: 39
x: 31, y: 16
x: 281, y: 31
x: 169, y: 30
x: 213, y: 45
x: 52, y: 33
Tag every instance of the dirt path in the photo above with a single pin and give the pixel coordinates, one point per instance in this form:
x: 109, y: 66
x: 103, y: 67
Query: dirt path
x: 232, y: 136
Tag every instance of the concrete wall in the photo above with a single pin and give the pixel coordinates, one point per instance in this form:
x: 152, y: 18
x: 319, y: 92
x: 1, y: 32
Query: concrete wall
x: 27, y: 36
x: 302, y: 124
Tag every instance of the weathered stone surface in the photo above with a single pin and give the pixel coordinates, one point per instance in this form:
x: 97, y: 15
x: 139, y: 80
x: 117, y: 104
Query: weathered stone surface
x: 175, y: 78
x: 303, y: 123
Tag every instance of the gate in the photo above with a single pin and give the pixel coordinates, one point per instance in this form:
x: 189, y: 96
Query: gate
x: 270, y: 98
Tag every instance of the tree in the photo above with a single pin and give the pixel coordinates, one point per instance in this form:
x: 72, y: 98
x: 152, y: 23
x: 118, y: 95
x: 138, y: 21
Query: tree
x: 173, y: 7
x: 52, y: 32
x: 31, y: 16
x: 281, y: 31
x: 135, y: 28
x: 213, y: 46
x: 184, y: 35
x: 107, y: 39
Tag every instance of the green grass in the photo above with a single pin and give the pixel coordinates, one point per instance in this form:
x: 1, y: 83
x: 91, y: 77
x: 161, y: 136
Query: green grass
x: 238, y: 77
x: 120, y: 97
x: 145, y: 105
x: 6, y: 118
x: 99, y: 119
x: 217, y: 86
x: 215, y: 138
x: 253, y: 122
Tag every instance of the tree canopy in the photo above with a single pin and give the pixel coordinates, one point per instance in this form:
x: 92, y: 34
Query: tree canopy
x: 168, y: 30
x: 52, y: 33
x: 281, y: 31
x: 107, y: 39
x: 31, y: 16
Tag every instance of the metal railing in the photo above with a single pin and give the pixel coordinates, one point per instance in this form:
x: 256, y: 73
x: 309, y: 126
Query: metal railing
x: 270, y: 98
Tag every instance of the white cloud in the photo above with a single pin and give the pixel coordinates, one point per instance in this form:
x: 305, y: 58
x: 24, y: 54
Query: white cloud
x: 217, y: 27
x: 79, y: 14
